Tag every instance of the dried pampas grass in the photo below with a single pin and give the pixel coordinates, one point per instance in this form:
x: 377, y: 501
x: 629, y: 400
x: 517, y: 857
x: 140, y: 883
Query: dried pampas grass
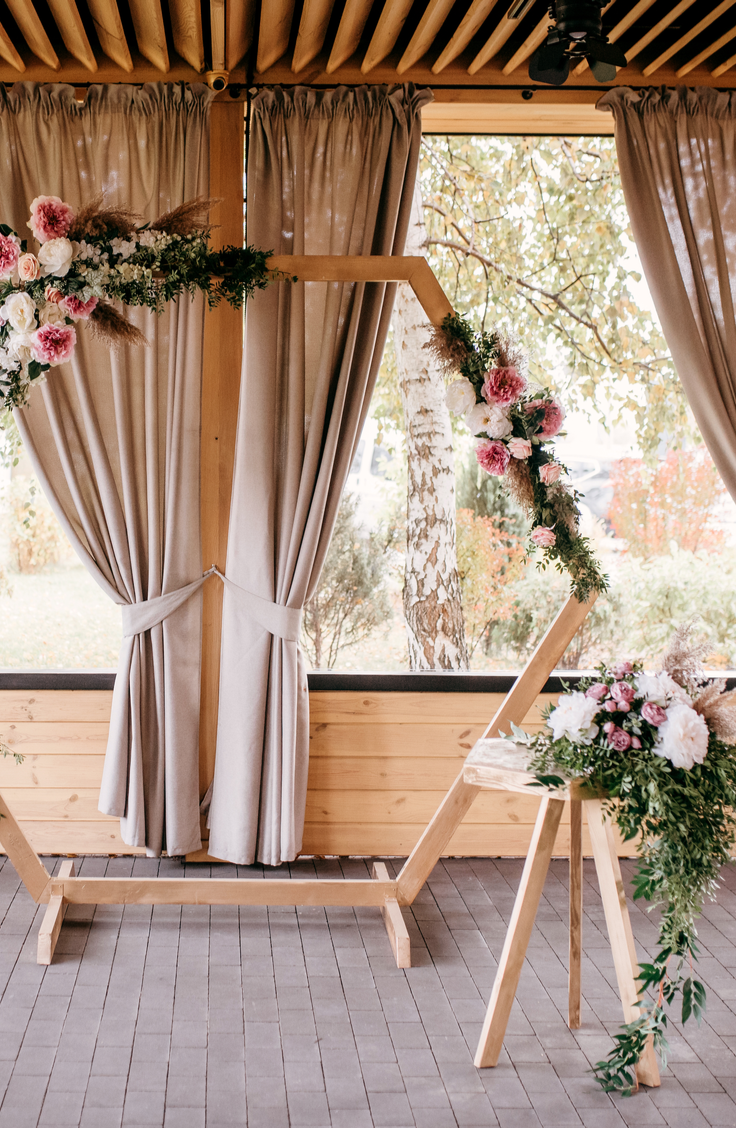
x: 519, y: 483
x: 94, y: 219
x: 110, y: 326
x: 188, y: 218
x: 510, y: 354
x: 718, y: 709
x: 449, y: 352
x: 685, y: 656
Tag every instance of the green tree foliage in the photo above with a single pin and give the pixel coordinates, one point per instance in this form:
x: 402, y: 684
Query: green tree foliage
x: 352, y: 600
x: 532, y: 234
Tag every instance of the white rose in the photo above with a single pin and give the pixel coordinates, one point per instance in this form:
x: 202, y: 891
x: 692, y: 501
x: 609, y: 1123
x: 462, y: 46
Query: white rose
x: 683, y: 738
x: 50, y: 314
x: 56, y: 257
x: 20, y: 310
x: 489, y: 419
x: 460, y: 396
x: 19, y: 346
x: 573, y: 718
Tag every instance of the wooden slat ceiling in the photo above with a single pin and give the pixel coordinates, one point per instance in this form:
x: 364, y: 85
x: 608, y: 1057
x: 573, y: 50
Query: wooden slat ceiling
x: 466, y: 44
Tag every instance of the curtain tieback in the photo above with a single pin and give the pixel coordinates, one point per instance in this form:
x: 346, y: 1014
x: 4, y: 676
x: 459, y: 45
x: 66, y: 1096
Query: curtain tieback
x: 284, y: 622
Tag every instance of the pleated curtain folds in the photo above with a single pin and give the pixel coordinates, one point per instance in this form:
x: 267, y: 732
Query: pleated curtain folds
x: 677, y: 154
x: 114, y: 437
x: 329, y: 173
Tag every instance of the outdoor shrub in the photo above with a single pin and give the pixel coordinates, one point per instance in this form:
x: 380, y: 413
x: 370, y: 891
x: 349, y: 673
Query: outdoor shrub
x: 36, y: 538
x: 489, y: 558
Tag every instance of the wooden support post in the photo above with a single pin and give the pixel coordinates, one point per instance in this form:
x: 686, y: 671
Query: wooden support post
x: 519, y: 931
x: 576, y: 913
x: 28, y: 865
x: 618, y: 922
x: 53, y: 918
x: 398, y: 934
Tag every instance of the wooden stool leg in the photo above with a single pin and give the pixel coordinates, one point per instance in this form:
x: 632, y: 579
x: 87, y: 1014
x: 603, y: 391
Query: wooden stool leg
x: 519, y: 931
x: 618, y: 923
x: 53, y: 917
x: 576, y: 912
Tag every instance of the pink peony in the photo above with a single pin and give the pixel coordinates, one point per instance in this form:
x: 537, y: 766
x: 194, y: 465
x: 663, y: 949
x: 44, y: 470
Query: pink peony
x: 622, y: 691
x: 28, y: 268
x: 544, y: 537
x: 621, y: 669
x: 9, y: 255
x: 550, y: 472
x: 655, y: 714
x: 519, y: 448
x: 53, y: 344
x: 493, y: 456
x: 552, y: 418
x: 76, y: 309
x: 598, y: 691
x: 619, y: 739
x: 50, y: 218
x: 503, y: 385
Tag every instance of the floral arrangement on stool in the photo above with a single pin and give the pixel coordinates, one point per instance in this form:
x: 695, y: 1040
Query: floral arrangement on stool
x: 662, y: 747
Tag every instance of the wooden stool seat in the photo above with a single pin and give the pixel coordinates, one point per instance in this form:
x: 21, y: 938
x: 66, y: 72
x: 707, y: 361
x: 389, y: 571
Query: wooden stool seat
x: 504, y: 765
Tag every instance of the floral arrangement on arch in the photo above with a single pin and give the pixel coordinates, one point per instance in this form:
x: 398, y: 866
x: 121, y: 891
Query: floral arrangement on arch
x: 662, y: 747
x: 88, y: 259
x: 515, y: 427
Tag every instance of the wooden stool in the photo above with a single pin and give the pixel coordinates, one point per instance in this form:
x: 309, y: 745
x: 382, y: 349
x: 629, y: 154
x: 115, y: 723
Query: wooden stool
x: 502, y: 765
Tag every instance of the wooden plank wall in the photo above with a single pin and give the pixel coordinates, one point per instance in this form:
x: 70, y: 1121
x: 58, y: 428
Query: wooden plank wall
x: 379, y: 765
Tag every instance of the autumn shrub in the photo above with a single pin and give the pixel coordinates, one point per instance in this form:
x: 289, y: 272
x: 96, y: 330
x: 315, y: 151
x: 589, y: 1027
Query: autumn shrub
x: 36, y: 538
x: 671, y: 502
x: 489, y: 558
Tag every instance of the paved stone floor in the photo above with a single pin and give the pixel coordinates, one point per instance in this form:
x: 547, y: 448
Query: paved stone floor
x: 199, y: 1018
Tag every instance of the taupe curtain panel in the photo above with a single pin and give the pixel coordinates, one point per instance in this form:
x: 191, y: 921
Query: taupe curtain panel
x: 114, y: 438
x: 329, y: 173
x: 677, y: 154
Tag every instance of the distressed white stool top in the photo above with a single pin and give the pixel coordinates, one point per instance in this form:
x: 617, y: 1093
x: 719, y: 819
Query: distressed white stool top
x: 504, y: 765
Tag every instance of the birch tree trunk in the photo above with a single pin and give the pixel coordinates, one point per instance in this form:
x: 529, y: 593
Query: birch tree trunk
x: 432, y: 598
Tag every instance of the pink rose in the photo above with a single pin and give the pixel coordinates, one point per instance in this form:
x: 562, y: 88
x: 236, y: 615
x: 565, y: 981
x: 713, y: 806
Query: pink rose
x: 611, y: 706
x: 635, y: 742
x: 53, y: 344
x: 621, y: 669
x: 502, y: 385
x: 76, y: 309
x: 609, y: 726
x: 655, y: 714
x: 550, y: 472
x: 519, y: 448
x: 50, y: 218
x: 597, y: 691
x: 493, y: 456
x: 623, y: 706
x: 619, y: 739
x: 52, y: 295
x: 9, y: 254
x: 551, y: 419
x: 544, y: 536
x: 28, y: 268
x: 622, y: 691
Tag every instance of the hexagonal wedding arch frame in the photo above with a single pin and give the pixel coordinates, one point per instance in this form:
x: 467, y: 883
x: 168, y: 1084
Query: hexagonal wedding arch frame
x: 65, y: 889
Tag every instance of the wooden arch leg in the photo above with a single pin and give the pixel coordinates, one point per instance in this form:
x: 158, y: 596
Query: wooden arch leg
x: 613, y: 896
x: 576, y: 913
x: 519, y: 931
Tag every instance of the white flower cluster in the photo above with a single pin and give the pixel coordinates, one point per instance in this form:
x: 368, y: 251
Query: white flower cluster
x: 573, y: 718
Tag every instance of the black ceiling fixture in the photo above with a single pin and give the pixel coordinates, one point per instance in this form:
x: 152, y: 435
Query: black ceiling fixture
x: 576, y: 34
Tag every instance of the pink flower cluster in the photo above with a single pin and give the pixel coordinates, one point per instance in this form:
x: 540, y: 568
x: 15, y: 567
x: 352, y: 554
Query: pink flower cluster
x: 9, y: 255
x: 50, y: 218
x: 619, y: 697
x: 503, y: 385
x: 552, y: 419
x: 75, y: 308
x: 493, y: 456
x: 53, y: 344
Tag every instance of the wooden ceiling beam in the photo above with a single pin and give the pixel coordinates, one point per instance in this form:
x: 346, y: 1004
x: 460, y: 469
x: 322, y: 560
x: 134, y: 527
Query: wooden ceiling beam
x: 658, y: 28
x: 109, y: 28
x: 9, y: 52
x: 217, y: 34
x: 186, y: 29
x: 274, y: 32
x: 32, y: 30
x: 469, y: 26
x: 623, y: 25
x: 503, y: 30
x: 706, y: 52
x: 312, y: 32
x: 69, y: 22
x: 528, y: 47
x: 427, y: 31
x: 240, y: 22
x: 723, y: 67
x: 689, y: 36
x: 392, y: 19
x: 148, y: 21
x: 352, y: 22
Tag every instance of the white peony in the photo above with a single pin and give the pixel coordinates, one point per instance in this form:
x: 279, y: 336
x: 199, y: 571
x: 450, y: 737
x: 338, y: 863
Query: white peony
x: 661, y: 689
x: 683, y: 738
x: 489, y: 419
x: 573, y: 718
x: 20, y: 310
x: 56, y: 257
x: 50, y: 314
x: 19, y: 346
x: 460, y: 396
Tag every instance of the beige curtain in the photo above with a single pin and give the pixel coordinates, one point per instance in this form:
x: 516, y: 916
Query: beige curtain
x: 677, y: 155
x: 329, y: 173
x: 114, y: 438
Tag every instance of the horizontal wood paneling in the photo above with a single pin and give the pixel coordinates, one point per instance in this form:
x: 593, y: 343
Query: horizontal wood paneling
x: 380, y: 764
